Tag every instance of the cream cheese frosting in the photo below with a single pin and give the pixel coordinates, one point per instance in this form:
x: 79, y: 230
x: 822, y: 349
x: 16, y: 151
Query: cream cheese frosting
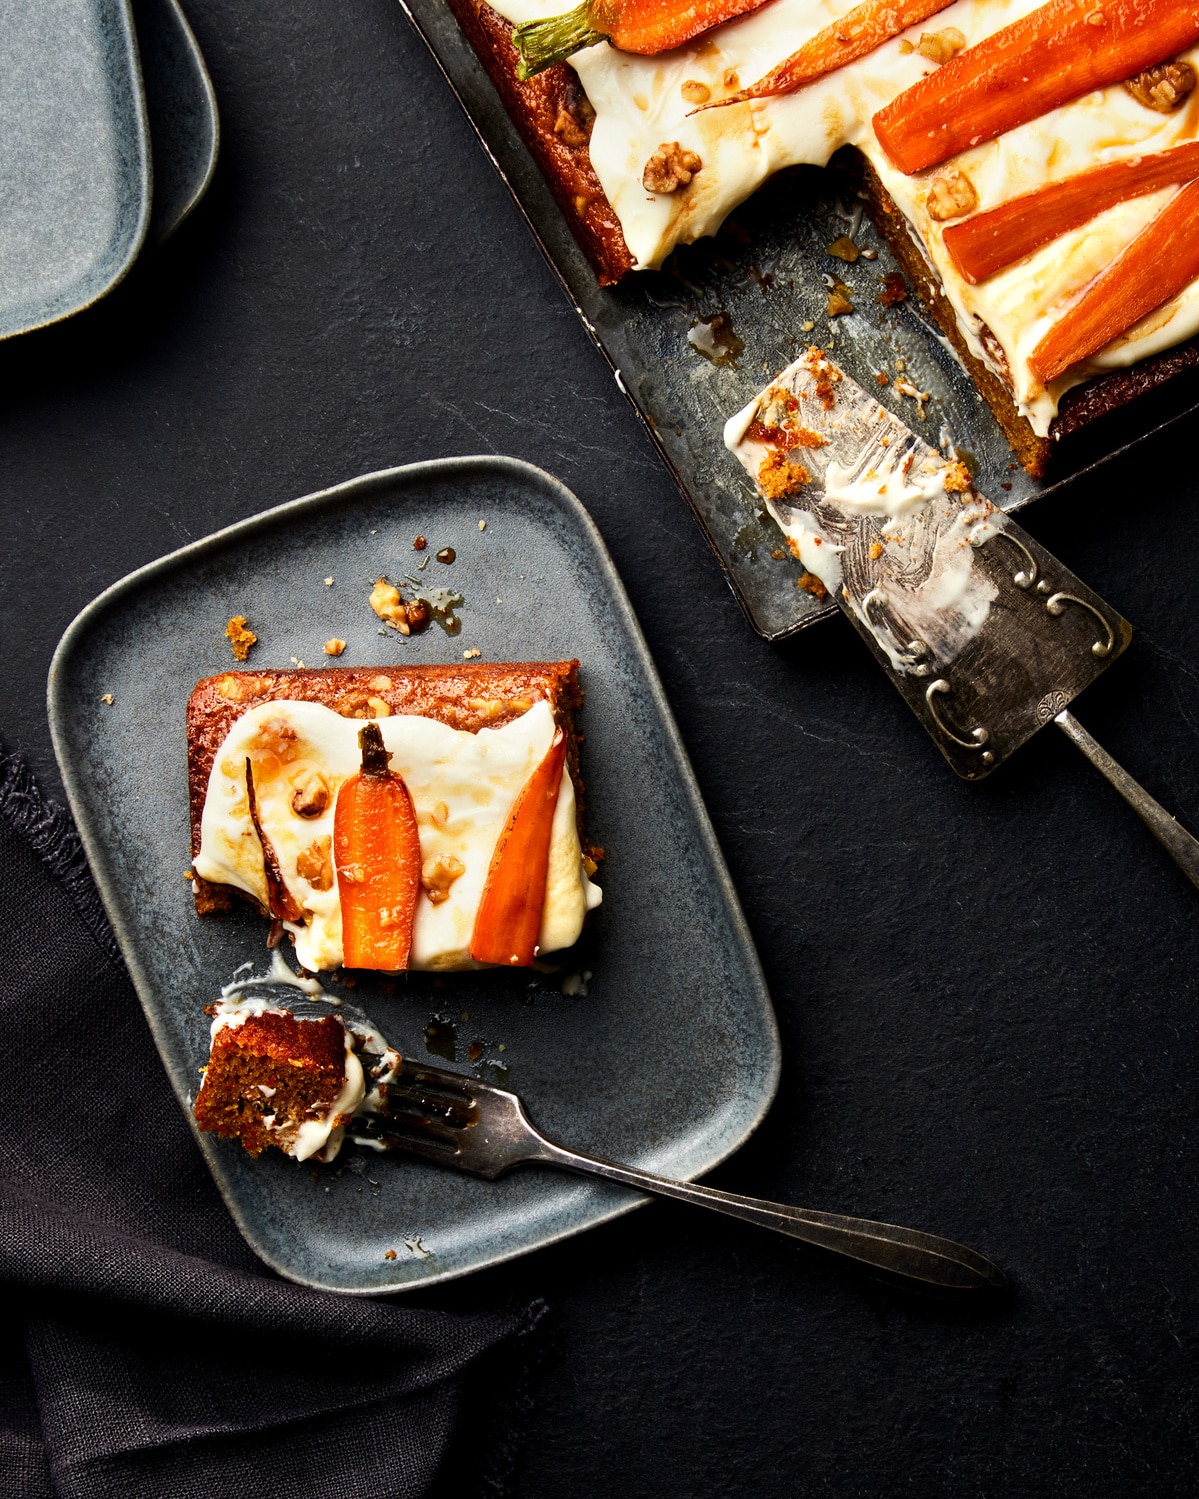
x: 639, y: 106
x: 462, y: 785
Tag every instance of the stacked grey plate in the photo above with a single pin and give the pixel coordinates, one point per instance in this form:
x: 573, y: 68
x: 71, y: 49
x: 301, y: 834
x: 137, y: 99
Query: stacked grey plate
x: 108, y: 140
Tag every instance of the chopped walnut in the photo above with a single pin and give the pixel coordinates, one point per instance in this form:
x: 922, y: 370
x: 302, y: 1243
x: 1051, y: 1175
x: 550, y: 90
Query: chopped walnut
x: 240, y: 637
x: 362, y: 705
x: 334, y: 647
x: 419, y: 614
x: 957, y: 478
x: 843, y: 248
x: 1162, y: 88
x: 437, y: 875
x: 778, y: 477
x: 441, y: 815
x: 380, y: 683
x: 732, y: 79
x: 568, y: 129
x: 950, y: 196
x: 315, y: 863
x: 941, y: 46
x: 385, y: 600
x: 276, y: 738
x: 310, y: 794
x: 237, y: 689
x: 695, y: 92
x: 669, y: 168
x: 839, y: 301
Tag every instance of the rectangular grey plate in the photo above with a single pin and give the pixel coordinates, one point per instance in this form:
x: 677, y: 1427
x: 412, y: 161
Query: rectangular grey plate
x: 669, y: 1059
x: 763, y: 274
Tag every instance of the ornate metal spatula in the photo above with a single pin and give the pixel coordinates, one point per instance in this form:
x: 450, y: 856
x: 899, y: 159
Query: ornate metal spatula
x: 987, y: 636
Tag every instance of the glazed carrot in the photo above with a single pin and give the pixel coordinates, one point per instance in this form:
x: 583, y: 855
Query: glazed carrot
x: 858, y: 32
x: 1050, y: 56
x: 644, y: 26
x: 1162, y: 260
x: 509, y: 916
x: 984, y: 244
x: 280, y: 902
x: 376, y: 847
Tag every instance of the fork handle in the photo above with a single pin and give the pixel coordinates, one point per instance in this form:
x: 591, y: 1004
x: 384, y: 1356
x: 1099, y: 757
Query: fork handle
x: 902, y: 1251
x: 1172, y: 836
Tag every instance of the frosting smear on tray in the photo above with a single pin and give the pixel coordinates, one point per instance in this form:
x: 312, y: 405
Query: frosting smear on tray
x: 645, y: 103
x: 463, y: 787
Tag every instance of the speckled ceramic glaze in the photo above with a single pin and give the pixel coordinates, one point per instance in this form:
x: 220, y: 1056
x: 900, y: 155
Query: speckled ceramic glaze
x: 182, y: 110
x: 653, y: 1042
x: 75, y: 165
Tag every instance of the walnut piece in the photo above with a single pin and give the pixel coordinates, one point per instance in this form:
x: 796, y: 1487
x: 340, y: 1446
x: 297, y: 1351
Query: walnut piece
x: 941, y: 46
x: 334, y: 647
x: 669, y: 168
x: 310, y: 794
x: 568, y: 129
x: 240, y: 637
x: 362, y: 705
x: 315, y: 864
x: 950, y: 196
x: 385, y: 600
x: 437, y: 875
x: 1164, y: 87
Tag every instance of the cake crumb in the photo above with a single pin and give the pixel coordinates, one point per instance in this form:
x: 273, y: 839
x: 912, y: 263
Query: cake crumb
x: 390, y: 1254
x: 876, y: 550
x: 419, y: 543
x: 778, y: 477
x: 482, y: 525
x: 107, y: 698
x: 188, y: 874
x: 328, y: 582
x: 957, y: 478
x: 843, y: 248
x: 812, y: 585
x: 839, y: 302
x: 334, y: 647
x: 808, y: 326
x: 471, y: 653
x: 894, y: 290
x: 881, y: 377
x: 240, y: 637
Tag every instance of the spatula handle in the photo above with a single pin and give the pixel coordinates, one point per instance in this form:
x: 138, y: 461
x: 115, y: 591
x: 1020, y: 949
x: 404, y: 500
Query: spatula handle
x: 1174, y: 838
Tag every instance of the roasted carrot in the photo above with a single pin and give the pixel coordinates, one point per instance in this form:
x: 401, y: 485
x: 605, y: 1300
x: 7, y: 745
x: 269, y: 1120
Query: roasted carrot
x: 1050, y: 56
x: 509, y: 917
x: 1162, y: 260
x: 984, y: 244
x: 376, y: 847
x: 280, y: 902
x: 644, y: 26
x: 858, y: 32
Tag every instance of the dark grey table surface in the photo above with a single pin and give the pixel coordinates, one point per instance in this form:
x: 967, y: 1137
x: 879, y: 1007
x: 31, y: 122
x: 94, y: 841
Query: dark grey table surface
x: 986, y: 994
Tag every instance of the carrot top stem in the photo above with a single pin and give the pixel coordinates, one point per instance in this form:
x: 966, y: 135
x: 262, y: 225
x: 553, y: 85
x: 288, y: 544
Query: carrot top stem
x: 375, y: 759
x: 543, y: 43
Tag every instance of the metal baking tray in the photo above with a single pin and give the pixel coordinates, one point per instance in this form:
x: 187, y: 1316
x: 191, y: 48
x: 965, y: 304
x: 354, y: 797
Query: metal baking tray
x: 746, y: 294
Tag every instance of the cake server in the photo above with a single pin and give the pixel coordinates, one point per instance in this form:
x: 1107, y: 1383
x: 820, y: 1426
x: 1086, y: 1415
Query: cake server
x: 471, y: 1126
x: 985, y: 634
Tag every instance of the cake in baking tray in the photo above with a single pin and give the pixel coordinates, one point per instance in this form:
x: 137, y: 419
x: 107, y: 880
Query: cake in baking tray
x: 418, y: 817
x: 1030, y: 164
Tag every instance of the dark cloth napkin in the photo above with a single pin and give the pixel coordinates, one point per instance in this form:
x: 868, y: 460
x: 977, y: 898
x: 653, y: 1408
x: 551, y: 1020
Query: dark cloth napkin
x: 146, y: 1351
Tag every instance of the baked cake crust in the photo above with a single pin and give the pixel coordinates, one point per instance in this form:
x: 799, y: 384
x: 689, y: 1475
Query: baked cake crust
x: 473, y: 696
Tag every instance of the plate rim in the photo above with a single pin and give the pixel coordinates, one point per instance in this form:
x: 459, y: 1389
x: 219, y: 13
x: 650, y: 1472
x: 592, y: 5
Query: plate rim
x: 74, y: 639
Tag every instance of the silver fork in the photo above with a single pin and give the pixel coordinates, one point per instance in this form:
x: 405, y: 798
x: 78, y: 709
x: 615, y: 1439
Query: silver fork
x: 471, y: 1126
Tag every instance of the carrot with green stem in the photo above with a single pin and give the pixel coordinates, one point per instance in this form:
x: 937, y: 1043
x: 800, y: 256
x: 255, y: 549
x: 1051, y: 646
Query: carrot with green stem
x: 376, y: 849
x: 1160, y: 262
x: 1054, y: 54
x: 508, y: 922
x: 986, y: 243
x: 642, y: 26
x: 860, y: 31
